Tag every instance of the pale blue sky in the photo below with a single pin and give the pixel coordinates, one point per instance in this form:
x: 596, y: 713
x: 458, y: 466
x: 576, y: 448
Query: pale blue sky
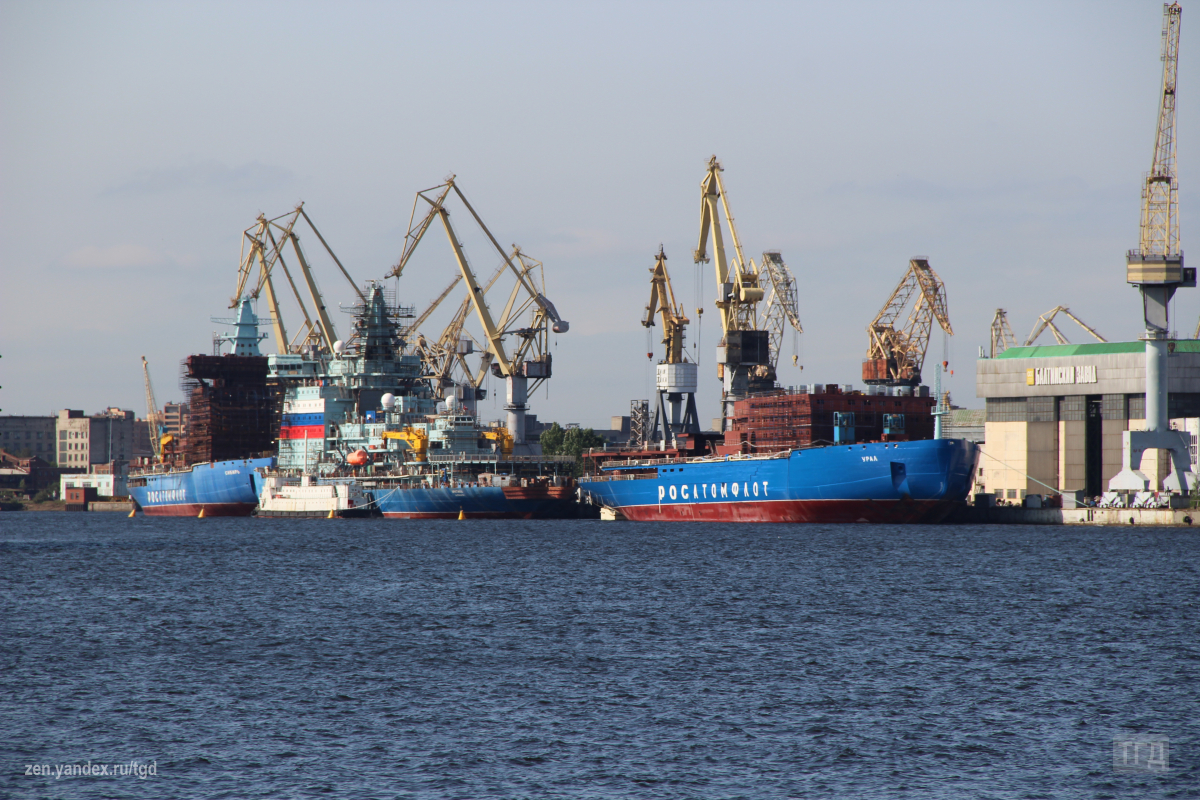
x: 1006, y: 141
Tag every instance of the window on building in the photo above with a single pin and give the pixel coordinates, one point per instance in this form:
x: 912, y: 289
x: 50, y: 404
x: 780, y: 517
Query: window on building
x: 1005, y: 409
x: 1113, y: 406
x: 1072, y: 408
x: 1041, y: 409
x: 1012, y: 494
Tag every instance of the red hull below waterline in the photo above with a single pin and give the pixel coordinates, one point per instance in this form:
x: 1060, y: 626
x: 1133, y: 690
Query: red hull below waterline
x: 829, y: 511
x: 193, y: 510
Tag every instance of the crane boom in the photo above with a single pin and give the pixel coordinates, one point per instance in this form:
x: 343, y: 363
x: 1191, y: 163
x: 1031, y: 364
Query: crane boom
x: 153, y: 415
x: 896, y: 356
x: 662, y: 301
x: 1160, y: 192
x: 1046, y: 321
x: 782, y: 306
x: 1002, y: 333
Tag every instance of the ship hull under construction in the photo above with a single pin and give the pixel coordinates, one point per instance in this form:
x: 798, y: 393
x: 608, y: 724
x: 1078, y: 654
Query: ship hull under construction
x: 218, y: 489
x: 885, y: 482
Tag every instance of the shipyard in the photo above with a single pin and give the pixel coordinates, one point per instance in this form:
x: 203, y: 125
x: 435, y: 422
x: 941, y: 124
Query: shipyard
x: 388, y: 418
x: 649, y: 400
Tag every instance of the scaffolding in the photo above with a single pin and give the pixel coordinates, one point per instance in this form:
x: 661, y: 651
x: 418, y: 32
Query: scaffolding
x: 234, y: 413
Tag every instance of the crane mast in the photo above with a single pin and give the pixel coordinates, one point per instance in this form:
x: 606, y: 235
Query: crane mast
x: 1156, y: 269
x: 744, y: 352
x: 1160, y: 191
x: 675, y: 377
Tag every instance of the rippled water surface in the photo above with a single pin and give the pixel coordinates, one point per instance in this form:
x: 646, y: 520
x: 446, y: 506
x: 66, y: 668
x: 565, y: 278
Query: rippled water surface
x: 358, y: 659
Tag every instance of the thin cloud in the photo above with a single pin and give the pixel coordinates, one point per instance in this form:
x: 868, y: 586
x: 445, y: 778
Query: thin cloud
x: 253, y: 176
x: 121, y: 256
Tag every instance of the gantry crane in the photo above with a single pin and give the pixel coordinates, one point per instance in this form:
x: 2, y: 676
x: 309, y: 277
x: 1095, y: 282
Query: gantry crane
x: 675, y: 376
x: 744, y: 352
x: 531, y: 357
x: 895, y: 356
x: 1047, y: 321
x: 1002, y: 333
x: 1156, y: 269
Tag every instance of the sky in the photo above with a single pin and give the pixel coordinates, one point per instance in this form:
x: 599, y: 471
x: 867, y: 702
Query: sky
x: 1004, y: 141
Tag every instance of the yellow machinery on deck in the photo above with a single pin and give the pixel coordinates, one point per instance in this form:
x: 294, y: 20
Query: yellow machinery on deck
x: 417, y: 440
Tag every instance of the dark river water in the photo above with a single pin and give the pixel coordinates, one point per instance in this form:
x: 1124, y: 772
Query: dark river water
x: 339, y: 658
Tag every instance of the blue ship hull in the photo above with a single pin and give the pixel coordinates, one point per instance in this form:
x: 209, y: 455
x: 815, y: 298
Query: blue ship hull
x: 879, y: 482
x: 219, y: 488
x: 478, y: 502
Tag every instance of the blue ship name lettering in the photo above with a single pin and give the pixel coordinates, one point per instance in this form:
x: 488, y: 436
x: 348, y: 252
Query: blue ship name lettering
x: 233, y: 472
x: 870, y: 458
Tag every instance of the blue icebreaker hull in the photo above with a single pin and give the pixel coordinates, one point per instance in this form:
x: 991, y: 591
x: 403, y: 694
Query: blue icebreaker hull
x: 879, y: 482
x: 219, y: 488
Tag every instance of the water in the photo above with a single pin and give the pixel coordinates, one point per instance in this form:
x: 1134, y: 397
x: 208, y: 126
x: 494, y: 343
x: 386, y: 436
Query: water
x: 341, y: 658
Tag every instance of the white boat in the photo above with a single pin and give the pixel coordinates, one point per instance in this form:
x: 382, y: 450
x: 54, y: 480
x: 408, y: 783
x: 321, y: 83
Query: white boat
x: 305, y: 497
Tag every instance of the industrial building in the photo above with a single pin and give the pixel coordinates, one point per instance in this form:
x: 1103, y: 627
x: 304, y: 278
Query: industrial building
x: 1055, y: 414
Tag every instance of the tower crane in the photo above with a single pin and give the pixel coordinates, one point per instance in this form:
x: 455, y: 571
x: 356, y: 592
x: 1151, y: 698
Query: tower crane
x: 1047, y: 321
x: 531, y: 357
x: 895, y: 356
x: 1156, y: 269
x: 743, y: 354
x: 159, y: 438
x: 1002, y: 333
x: 675, y: 377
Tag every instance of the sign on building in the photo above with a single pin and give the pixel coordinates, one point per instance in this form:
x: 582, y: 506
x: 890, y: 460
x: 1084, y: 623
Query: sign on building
x: 1052, y: 376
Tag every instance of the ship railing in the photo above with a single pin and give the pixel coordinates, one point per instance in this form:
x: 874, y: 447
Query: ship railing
x: 488, y: 458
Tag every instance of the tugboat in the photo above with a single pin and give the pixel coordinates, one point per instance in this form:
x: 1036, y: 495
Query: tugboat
x: 302, y: 497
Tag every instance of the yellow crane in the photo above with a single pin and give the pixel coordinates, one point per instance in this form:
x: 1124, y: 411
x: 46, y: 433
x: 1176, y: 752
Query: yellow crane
x: 744, y: 352
x: 895, y: 355
x: 416, y: 439
x: 662, y: 301
x: 1047, y: 321
x: 159, y: 438
x: 1002, y: 333
x: 675, y: 377
x: 268, y: 240
x: 531, y: 358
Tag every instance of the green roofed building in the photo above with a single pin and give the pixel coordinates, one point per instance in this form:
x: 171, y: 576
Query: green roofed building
x: 1055, y: 414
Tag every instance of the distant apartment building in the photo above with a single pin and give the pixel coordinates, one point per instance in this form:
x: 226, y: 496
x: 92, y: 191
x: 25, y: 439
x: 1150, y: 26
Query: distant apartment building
x: 28, y: 436
x: 111, y: 435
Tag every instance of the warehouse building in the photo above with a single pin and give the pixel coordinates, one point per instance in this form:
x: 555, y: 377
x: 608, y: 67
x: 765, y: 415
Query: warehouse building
x: 1055, y: 414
